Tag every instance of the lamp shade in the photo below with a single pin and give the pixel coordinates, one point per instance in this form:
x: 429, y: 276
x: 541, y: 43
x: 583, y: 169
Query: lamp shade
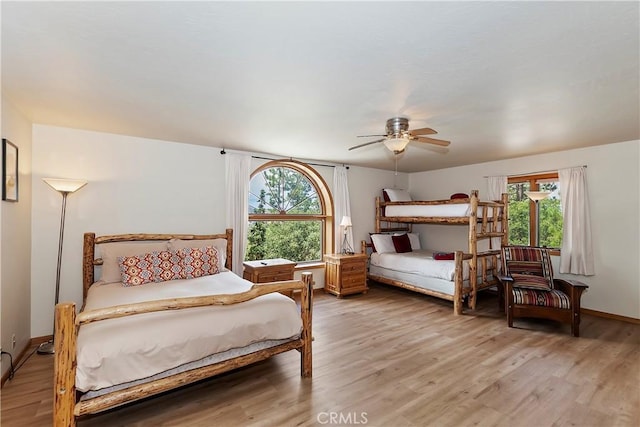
x: 346, y: 221
x: 65, y: 185
x: 537, y: 195
x: 396, y: 143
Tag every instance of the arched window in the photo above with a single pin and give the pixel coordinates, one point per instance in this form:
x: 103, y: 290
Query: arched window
x: 290, y: 213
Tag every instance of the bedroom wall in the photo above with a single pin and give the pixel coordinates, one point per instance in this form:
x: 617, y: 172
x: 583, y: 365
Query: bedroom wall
x: 15, y: 245
x: 139, y: 185
x: 614, y: 192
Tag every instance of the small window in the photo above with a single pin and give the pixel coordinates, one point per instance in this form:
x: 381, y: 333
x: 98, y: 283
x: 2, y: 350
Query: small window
x: 535, y: 223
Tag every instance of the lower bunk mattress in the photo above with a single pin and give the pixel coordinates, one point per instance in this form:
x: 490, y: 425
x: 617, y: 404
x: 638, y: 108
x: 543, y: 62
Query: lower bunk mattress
x: 147, y: 346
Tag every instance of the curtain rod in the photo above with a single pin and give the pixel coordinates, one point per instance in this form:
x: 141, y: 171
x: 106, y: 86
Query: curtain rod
x: 536, y: 173
x: 223, y: 152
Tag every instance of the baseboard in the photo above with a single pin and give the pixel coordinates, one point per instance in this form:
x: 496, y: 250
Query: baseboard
x: 16, y: 361
x: 610, y: 316
x: 40, y: 340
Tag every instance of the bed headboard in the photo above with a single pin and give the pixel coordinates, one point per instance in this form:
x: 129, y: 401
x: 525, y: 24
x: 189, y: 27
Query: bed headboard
x: 89, y: 260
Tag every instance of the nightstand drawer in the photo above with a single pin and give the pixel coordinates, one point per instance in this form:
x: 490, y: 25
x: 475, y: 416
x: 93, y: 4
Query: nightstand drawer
x: 275, y: 276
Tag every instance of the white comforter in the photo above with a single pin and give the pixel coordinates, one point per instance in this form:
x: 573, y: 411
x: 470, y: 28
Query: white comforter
x: 444, y: 210
x: 419, y: 262
x: 120, y: 350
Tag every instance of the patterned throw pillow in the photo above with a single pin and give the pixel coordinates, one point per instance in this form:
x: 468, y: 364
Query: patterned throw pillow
x: 137, y: 270
x: 198, y: 262
x: 168, y: 266
x: 531, y: 281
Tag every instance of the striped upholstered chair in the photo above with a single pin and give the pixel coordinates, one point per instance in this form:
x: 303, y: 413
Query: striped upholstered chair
x: 529, y: 289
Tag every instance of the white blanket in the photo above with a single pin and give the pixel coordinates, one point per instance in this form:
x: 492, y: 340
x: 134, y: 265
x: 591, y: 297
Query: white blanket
x: 120, y: 350
x: 444, y: 210
x: 419, y: 262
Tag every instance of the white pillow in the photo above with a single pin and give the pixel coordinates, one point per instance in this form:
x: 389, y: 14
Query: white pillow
x: 414, y: 239
x: 397, y: 195
x: 383, y: 243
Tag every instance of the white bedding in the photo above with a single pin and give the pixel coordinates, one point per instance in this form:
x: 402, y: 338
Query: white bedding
x: 419, y: 262
x: 444, y: 210
x: 121, y: 350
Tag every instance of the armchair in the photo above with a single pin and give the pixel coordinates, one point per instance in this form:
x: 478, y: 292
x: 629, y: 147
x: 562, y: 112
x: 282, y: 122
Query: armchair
x: 529, y: 289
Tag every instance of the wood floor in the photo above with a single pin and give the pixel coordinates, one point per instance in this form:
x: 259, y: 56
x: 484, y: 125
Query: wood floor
x: 394, y: 358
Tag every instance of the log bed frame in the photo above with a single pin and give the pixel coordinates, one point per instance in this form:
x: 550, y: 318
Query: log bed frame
x: 67, y: 404
x: 491, y: 223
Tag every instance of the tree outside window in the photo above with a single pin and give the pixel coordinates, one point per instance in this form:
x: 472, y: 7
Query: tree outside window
x: 524, y: 222
x: 286, y: 216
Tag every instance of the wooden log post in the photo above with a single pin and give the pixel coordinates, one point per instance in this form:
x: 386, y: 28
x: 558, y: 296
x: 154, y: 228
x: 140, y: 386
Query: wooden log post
x: 64, y: 370
x: 457, y: 293
x: 306, y: 308
x: 473, y: 248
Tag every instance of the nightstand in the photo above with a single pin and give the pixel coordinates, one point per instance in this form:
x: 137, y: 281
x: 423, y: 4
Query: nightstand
x: 345, y: 274
x: 269, y: 270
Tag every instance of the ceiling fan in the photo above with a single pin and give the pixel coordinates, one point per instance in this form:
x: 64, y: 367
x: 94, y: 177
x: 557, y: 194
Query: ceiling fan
x: 398, y: 136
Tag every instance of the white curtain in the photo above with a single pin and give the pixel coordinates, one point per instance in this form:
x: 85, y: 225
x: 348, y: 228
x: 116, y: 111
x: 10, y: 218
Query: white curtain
x: 496, y: 186
x: 576, y: 256
x: 342, y: 206
x: 238, y: 172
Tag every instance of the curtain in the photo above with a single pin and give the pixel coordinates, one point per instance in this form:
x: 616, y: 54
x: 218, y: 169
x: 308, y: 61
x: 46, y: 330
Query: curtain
x: 576, y: 255
x: 341, y: 206
x: 238, y: 172
x: 496, y: 186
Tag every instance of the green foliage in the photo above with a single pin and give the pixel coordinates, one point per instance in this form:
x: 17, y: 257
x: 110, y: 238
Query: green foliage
x: 550, y: 223
x: 285, y: 191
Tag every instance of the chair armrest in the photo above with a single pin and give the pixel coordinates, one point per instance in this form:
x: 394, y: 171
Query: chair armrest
x: 569, y: 286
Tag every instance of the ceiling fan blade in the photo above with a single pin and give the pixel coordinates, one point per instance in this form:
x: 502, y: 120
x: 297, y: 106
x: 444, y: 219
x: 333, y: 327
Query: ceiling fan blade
x: 366, y: 143
x: 368, y: 136
x: 423, y: 131
x: 439, y: 142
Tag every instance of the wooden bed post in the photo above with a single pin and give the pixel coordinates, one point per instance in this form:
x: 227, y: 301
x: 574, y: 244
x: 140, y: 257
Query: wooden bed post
x: 378, y: 225
x: 505, y: 219
x: 64, y: 370
x: 306, y: 307
x: 457, y: 278
x: 88, y: 263
x: 473, y: 248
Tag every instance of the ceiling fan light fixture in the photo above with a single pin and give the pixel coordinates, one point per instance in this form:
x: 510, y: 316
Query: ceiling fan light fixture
x: 396, y: 143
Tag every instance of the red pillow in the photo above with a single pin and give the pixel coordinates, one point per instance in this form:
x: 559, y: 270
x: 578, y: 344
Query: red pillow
x: 459, y: 196
x: 401, y: 243
x: 444, y: 256
x: 385, y: 196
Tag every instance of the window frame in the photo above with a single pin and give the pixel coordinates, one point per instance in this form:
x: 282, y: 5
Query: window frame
x: 532, y: 180
x: 324, y: 197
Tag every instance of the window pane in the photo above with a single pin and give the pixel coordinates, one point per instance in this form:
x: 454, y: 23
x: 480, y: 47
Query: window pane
x: 297, y: 241
x: 550, y: 223
x: 282, y: 191
x: 518, y: 214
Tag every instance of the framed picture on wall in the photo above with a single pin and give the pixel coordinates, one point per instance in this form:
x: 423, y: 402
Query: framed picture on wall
x: 9, y: 171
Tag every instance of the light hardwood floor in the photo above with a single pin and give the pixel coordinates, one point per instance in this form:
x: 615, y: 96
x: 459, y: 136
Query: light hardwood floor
x: 394, y: 358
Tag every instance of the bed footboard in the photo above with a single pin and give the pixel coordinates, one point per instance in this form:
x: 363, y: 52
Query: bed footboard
x: 67, y: 407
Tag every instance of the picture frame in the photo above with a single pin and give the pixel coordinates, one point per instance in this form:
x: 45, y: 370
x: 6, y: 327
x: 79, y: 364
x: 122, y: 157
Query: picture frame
x: 9, y: 171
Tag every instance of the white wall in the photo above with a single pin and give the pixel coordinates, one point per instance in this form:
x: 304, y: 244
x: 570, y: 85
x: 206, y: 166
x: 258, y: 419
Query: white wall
x: 15, y: 252
x: 139, y: 185
x: 614, y: 193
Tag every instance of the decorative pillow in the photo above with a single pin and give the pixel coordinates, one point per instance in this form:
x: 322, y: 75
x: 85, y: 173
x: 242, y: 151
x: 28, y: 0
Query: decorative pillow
x: 459, y: 196
x: 137, y: 270
x: 401, y: 243
x: 219, y: 244
x: 382, y: 243
x: 168, y: 266
x: 414, y: 238
x: 530, y: 281
x: 396, y: 195
x: 110, y: 252
x: 444, y: 256
x: 198, y: 262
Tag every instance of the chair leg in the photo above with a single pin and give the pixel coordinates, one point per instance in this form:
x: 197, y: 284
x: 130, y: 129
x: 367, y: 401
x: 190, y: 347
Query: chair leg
x: 575, y: 325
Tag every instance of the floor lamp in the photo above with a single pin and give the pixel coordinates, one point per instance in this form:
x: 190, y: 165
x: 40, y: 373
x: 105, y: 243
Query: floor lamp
x: 536, y: 196
x: 64, y: 187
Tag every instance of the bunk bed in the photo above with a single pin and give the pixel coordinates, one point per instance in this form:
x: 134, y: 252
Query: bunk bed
x: 467, y: 272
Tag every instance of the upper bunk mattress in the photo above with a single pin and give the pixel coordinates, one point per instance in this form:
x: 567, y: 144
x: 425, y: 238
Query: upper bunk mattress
x: 444, y: 210
x: 125, y: 349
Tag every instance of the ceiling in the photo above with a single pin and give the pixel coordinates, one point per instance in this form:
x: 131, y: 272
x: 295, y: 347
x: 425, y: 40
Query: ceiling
x: 303, y: 79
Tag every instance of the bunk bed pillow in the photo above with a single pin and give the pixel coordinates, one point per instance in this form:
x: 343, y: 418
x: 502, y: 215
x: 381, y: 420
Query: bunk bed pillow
x: 459, y: 196
x: 401, y: 243
x: 382, y: 243
x: 414, y: 239
x: 396, y: 195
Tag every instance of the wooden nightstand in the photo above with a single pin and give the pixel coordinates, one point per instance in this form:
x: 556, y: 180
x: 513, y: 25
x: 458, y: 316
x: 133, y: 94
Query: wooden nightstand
x: 269, y: 270
x: 345, y: 274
